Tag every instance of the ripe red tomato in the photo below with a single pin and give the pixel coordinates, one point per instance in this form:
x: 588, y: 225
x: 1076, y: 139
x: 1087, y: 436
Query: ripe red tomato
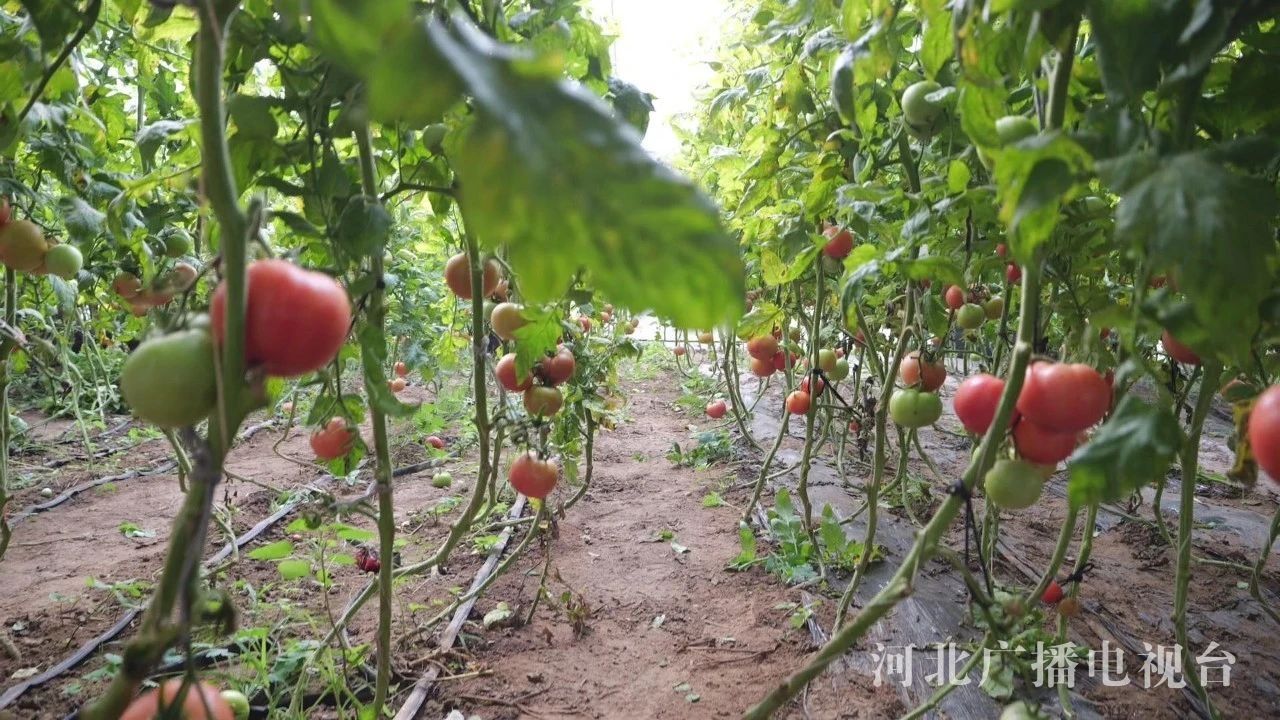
x: 1002, y: 249
x: 762, y: 347
x: 1042, y: 446
x: 1013, y: 273
x: 505, y: 370
x: 435, y: 442
x: 762, y: 368
x: 779, y: 361
x: 1264, y: 431
x: 716, y: 409
x: 1064, y: 397
x: 333, y: 441
x: 397, y: 385
x: 678, y: 350
x: 976, y: 401
x: 296, y: 320
x: 201, y: 701
x: 954, y: 297
x: 1052, y: 594
x: 798, y: 402
x: 457, y: 275
x: 821, y: 386
x: 585, y: 323
x: 401, y: 370
x: 1177, y: 350
x: 929, y: 375
x: 543, y: 401
x: 558, y: 368
x: 533, y: 477
x: 839, y: 242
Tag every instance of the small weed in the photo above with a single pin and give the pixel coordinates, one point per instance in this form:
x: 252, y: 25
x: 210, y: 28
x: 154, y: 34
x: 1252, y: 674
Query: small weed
x: 712, y: 447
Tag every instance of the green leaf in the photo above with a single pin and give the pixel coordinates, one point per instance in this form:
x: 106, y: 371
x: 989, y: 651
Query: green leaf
x: 536, y: 338
x: 354, y: 534
x: 760, y: 321
x: 549, y: 172
x: 54, y: 20
x: 1212, y: 228
x: 379, y: 40
x: 1132, y: 36
x: 938, y: 43
x: 83, y: 221
x: 958, y: 175
x: 277, y: 550
x: 363, y: 227
x: 1034, y: 178
x: 1133, y: 448
x: 252, y: 116
x: 294, y: 569
x: 778, y: 272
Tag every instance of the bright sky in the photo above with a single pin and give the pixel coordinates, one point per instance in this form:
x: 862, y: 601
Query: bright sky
x: 662, y: 48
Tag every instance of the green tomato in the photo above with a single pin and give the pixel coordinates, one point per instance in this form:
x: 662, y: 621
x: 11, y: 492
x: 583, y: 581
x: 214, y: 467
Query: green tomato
x: 441, y: 480
x: 64, y: 261
x: 971, y: 316
x: 923, y: 115
x: 170, y: 381
x: 1012, y: 128
x: 177, y: 242
x: 1013, y: 484
x: 994, y: 308
x: 827, y: 360
x: 840, y: 371
x: 914, y: 409
x: 238, y: 702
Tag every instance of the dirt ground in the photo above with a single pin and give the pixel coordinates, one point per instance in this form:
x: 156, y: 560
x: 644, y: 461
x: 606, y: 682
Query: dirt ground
x: 642, y: 618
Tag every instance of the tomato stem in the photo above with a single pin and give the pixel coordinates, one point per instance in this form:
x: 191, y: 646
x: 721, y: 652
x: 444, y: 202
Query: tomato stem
x: 1190, y: 462
x: 376, y: 317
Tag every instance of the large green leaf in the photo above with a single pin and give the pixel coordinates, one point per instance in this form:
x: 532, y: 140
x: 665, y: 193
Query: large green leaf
x: 1211, y: 226
x: 1131, y: 36
x: 548, y: 171
x: 1035, y: 177
x: 1133, y: 448
x: 54, y: 20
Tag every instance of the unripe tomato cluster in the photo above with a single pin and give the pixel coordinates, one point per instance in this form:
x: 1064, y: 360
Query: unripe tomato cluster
x: 24, y: 248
